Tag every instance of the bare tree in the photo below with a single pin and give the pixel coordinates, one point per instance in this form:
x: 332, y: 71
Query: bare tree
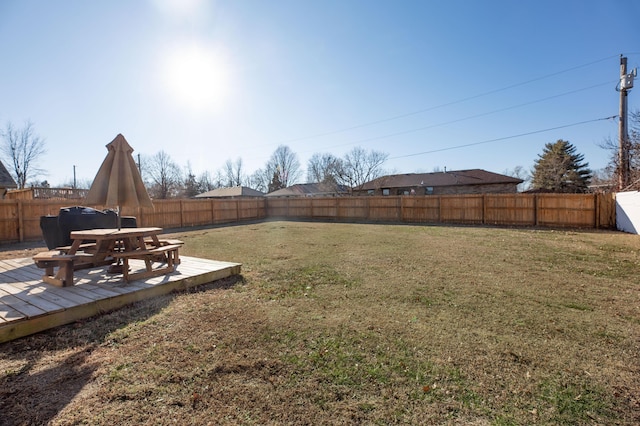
x: 612, y: 169
x: 359, y: 167
x: 163, y: 176
x: 608, y: 177
x: 283, y: 163
x: 219, y: 180
x: 603, y: 180
x: 22, y: 148
x: 205, y: 182
x: 323, y: 168
x: 519, y: 172
x: 259, y: 180
x: 234, y: 173
x: 80, y: 183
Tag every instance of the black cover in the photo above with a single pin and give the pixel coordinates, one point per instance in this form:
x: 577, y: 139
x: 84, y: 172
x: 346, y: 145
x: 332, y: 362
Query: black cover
x: 57, y: 229
x: 51, y: 232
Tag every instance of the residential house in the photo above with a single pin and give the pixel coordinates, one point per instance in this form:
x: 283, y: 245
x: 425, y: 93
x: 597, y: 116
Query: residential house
x: 6, y: 181
x: 233, y: 192
x: 311, y: 190
x: 474, y: 181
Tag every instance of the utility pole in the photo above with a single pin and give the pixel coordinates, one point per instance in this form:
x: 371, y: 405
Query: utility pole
x: 624, y: 150
x: 623, y: 147
x: 74, y: 177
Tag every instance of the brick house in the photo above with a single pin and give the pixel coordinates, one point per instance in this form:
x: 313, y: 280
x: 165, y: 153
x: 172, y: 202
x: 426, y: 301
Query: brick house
x: 474, y: 181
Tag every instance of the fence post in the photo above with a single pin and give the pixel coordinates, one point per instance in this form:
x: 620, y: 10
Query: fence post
x: 368, y: 208
x: 20, y: 222
x: 535, y: 209
x: 181, y: 215
x: 484, y: 209
x: 213, y: 216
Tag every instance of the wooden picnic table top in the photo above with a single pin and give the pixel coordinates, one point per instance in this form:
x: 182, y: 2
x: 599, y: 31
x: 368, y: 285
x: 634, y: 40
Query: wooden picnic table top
x: 110, y: 240
x: 114, y: 233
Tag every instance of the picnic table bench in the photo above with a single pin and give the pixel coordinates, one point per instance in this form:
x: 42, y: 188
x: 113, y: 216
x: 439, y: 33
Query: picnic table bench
x: 66, y: 263
x: 167, y: 254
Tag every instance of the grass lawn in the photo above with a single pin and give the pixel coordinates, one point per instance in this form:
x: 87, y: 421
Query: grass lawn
x: 351, y: 323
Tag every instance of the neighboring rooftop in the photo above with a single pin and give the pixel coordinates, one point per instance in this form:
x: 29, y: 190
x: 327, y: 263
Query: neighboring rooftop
x: 6, y: 181
x: 233, y: 192
x: 311, y: 190
x: 446, y: 178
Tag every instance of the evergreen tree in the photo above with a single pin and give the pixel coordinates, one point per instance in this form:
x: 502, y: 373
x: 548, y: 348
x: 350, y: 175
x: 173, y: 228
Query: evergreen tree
x: 275, y: 183
x: 560, y: 169
x: 190, y: 186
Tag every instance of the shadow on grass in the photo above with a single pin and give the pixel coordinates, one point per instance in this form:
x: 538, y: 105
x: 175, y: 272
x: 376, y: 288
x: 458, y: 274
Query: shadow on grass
x: 42, y: 373
x: 36, y: 397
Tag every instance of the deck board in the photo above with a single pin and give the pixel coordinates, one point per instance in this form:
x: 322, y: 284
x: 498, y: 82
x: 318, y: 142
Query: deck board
x: 32, y: 297
x: 49, y: 295
x: 28, y: 305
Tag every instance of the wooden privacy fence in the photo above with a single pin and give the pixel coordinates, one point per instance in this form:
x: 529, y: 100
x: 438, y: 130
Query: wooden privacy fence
x: 551, y: 210
x: 20, y: 219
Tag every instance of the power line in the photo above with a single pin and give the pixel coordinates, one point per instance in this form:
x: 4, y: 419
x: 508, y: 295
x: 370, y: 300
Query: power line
x: 446, y: 104
x: 431, y: 126
x: 504, y: 138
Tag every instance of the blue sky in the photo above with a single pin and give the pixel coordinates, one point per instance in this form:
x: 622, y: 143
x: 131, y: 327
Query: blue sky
x: 434, y: 84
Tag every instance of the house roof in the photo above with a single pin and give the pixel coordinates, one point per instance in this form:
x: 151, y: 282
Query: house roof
x: 309, y: 189
x: 6, y: 181
x: 236, y: 191
x: 448, y: 178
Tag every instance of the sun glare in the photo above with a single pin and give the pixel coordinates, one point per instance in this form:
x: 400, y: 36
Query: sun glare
x: 196, y: 77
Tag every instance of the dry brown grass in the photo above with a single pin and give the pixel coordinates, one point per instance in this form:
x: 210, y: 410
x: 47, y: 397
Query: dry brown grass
x: 344, y: 324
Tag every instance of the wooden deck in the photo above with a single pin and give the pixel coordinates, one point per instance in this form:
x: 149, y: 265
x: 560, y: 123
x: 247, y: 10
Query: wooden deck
x: 28, y: 305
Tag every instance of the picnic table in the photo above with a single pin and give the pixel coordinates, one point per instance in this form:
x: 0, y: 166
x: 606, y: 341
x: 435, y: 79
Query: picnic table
x: 99, y: 247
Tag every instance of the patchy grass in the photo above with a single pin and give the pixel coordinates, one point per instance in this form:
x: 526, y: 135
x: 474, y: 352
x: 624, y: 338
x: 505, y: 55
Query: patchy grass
x: 344, y: 323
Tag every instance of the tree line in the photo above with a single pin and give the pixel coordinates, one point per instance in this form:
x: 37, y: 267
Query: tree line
x: 22, y: 148
x: 559, y: 168
x: 165, y: 179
